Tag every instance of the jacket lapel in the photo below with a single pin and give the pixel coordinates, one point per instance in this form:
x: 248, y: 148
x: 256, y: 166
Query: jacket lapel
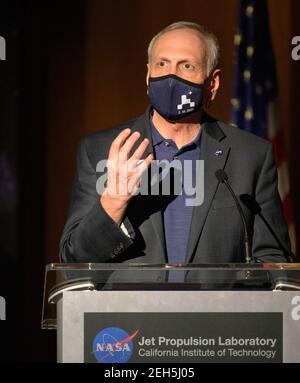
x: 214, y: 151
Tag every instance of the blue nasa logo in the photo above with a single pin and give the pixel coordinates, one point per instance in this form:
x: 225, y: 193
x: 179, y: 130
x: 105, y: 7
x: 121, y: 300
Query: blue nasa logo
x: 113, y: 345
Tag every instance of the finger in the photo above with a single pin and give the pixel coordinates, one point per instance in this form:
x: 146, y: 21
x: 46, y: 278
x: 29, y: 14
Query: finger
x: 137, y: 155
x: 143, y: 165
x: 149, y: 159
x: 134, y: 181
x: 129, y: 143
x: 118, y: 142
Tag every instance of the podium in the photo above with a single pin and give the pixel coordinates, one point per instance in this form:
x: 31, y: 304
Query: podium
x: 142, y: 313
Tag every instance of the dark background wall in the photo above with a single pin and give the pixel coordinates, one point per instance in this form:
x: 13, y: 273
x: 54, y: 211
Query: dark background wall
x: 99, y: 80
x: 80, y: 67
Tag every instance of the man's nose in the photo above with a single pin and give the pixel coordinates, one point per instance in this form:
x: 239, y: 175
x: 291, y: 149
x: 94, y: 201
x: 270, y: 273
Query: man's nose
x: 174, y: 69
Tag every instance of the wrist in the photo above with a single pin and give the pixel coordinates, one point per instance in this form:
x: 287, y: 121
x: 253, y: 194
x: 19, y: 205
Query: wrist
x: 114, y: 207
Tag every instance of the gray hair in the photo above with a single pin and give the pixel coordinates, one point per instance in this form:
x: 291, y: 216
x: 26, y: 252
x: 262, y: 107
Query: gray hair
x: 213, y: 48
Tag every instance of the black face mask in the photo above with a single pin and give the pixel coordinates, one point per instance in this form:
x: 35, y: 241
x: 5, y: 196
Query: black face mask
x: 173, y: 97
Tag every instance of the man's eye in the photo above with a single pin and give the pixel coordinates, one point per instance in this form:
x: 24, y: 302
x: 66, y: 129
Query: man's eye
x: 187, y: 66
x: 161, y: 63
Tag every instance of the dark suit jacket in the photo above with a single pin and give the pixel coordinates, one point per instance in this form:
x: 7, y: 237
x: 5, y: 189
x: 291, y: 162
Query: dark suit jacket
x: 216, y: 232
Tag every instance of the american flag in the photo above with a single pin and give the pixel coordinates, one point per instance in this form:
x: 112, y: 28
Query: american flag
x: 255, y: 91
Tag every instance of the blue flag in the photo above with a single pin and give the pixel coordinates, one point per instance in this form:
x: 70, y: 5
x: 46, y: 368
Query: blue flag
x: 255, y: 85
x: 255, y: 91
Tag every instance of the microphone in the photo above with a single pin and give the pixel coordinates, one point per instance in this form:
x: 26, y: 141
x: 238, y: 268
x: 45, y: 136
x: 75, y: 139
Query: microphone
x: 251, y: 203
x: 223, y: 178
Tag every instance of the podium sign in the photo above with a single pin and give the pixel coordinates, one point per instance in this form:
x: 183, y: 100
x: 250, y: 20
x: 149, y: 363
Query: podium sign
x: 161, y: 322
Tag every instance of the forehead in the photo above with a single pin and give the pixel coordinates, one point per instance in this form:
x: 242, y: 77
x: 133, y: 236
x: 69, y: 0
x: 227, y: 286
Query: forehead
x: 180, y: 43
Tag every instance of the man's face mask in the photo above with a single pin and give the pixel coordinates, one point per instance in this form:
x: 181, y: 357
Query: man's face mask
x: 173, y: 97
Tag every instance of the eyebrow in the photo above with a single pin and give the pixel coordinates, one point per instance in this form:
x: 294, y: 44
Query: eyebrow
x: 163, y: 59
x: 180, y: 61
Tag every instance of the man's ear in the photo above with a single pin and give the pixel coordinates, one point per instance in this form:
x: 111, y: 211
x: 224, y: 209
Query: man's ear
x: 211, y: 88
x: 214, y: 83
x: 148, y: 75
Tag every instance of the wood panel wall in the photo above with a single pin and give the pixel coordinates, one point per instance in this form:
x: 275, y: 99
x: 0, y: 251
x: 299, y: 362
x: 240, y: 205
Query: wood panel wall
x: 96, y: 78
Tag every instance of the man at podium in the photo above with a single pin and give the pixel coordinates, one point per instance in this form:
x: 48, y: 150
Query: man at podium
x: 111, y: 220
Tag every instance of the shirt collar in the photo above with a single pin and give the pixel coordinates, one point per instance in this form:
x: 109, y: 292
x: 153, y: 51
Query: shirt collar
x: 157, y: 138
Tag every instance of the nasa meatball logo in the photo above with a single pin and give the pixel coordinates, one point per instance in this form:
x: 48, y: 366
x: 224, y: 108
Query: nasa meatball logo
x: 113, y: 345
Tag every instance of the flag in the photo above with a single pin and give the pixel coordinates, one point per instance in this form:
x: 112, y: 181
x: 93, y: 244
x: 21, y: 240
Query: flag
x: 255, y: 91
